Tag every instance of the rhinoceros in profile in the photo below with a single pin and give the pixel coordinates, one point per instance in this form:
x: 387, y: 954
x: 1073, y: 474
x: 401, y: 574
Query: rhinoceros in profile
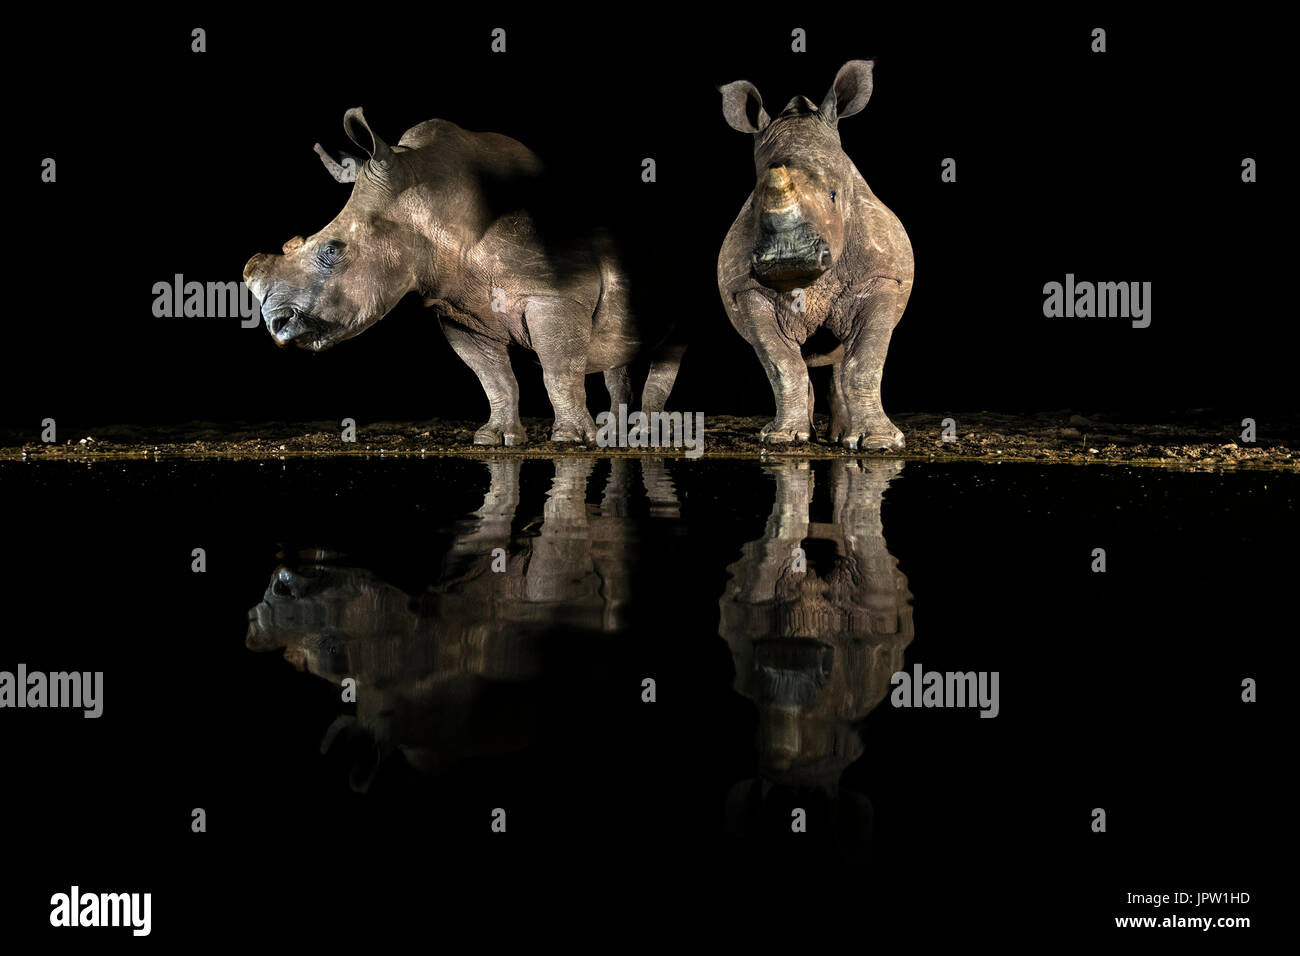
x: 813, y: 248
x: 425, y: 658
x: 453, y: 216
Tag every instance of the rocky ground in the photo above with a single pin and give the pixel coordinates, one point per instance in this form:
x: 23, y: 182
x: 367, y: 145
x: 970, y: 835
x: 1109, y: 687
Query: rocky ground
x: 1197, y: 441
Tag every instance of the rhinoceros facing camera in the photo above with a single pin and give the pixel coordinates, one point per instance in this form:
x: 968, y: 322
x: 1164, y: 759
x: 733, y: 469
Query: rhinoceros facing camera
x: 814, y: 248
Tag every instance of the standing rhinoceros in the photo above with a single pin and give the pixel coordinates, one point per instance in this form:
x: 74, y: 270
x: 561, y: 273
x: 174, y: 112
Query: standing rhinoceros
x: 452, y: 215
x: 813, y: 248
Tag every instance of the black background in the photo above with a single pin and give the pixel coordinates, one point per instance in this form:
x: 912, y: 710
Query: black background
x: 1122, y: 166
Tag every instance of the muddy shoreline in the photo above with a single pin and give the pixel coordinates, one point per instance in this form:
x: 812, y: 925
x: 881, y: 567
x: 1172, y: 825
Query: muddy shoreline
x: 1206, y: 441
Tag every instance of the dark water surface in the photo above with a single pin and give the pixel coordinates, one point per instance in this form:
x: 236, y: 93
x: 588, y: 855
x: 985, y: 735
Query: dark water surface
x: 522, y: 690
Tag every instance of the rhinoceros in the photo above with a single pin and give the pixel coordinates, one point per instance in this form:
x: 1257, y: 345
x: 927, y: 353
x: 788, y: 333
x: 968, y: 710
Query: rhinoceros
x: 451, y: 215
x: 424, y: 658
x: 814, y: 649
x: 813, y: 248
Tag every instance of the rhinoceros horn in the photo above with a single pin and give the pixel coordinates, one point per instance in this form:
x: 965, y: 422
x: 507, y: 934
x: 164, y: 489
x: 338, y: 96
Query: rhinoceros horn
x: 779, y: 195
x: 359, y: 131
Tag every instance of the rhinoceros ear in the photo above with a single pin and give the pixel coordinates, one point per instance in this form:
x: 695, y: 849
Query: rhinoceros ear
x: 743, y: 107
x: 850, y: 91
x: 359, y: 131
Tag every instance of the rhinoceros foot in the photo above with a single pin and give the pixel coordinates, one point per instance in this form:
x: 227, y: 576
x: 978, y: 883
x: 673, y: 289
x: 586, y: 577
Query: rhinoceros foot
x: 782, y: 433
x: 504, y: 433
x: 580, y: 429
x: 871, y: 433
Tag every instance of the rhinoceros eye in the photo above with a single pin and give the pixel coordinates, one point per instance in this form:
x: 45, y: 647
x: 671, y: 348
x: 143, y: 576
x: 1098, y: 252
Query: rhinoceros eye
x: 832, y: 195
x: 330, y: 253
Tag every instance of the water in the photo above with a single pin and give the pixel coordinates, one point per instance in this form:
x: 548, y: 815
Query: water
x: 522, y: 688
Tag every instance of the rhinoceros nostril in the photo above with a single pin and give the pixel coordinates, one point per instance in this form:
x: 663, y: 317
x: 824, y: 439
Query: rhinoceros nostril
x: 279, y: 322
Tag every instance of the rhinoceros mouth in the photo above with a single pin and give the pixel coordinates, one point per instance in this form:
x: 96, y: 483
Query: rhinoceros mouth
x: 790, y: 258
x: 293, y: 326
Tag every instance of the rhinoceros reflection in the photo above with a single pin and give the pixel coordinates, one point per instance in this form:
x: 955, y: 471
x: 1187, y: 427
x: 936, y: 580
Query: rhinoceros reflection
x: 424, y: 663
x: 814, y: 649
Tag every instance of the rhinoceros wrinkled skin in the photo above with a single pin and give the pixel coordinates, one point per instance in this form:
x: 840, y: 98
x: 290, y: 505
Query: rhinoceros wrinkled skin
x: 453, y: 216
x: 813, y: 248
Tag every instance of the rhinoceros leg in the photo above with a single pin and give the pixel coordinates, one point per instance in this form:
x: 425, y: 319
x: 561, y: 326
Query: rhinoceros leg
x: 492, y: 529
x: 861, y: 424
x: 857, y: 487
x: 659, y: 488
x: 664, y: 363
x: 839, y: 410
x: 619, y: 385
x: 787, y: 527
x: 560, y: 331
x: 490, y: 361
x: 755, y: 319
x: 562, y: 565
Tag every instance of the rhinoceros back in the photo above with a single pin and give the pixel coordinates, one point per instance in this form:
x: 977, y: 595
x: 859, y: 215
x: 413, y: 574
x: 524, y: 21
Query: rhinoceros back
x: 495, y: 150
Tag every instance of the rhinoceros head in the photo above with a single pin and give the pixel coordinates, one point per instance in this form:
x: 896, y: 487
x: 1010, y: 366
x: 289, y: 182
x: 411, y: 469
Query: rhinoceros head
x: 338, y: 282
x: 804, y: 196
